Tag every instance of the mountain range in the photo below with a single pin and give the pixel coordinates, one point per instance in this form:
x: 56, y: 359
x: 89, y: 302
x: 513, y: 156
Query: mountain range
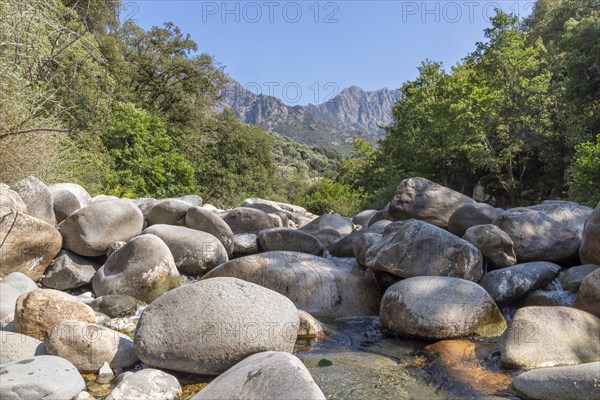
x: 329, y: 124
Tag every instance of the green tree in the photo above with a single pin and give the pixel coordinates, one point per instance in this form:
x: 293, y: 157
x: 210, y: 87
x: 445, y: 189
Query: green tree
x: 329, y: 195
x: 144, y: 160
x: 585, y: 173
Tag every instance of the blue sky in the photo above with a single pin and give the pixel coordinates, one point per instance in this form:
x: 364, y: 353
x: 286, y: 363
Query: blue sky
x: 307, y: 51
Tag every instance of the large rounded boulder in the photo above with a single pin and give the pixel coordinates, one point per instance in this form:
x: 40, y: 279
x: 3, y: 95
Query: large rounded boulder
x: 144, y: 268
x: 440, y: 308
x: 550, y: 336
x: 28, y: 244
x: 512, y: 283
x: 495, y: 245
x: 195, y: 252
x: 590, y: 243
x: 588, y: 296
x: 471, y: 214
x: 209, y: 326
x: 91, y: 230
x: 11, y: 199
x: 422, y: 199
x: 416, y: 248
x: 551, y: 231
x: 288, y: 239
x: 39, y: 312
x: 37, y: 197
x: 207, y: 221
x: 329, y: 228
x: 268, y: 376
x: 247, y: 220
x: 168, y: 212
x: 320, y: 286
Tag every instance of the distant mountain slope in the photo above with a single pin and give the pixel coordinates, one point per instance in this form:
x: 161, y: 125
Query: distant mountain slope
x: 331, y: 124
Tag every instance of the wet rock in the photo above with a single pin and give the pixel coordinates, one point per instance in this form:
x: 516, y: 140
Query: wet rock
x: 105, y: 374
x: 310, y: 327
x: 38, y: 312
x: 440, y: 308
x: 416, y: 248
x: 41, y: 377
x: 268, y: 375
x: 144, y: 268
x: 536, y: 337
x: 28, y: 245
x: 195, y: 252
x: 422, y: 199
x: 512, y: 283
x: 323, y: 287
x: 234, y: 319
x: 91, y: 230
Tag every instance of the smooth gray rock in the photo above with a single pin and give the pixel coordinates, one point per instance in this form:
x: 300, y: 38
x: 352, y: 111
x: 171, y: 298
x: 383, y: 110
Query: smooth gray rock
x: 512, y: 283
x: 571, y: 278
x: 362, y: 244
x: 245, y: 244
x: 247, y: 220
x: 550, y: 336
x: 91, y: 230
x: 195, y: 252
x: 589, y: 252
x: 21, y: 282
x: 329, y: 228
x: 588, y: 296
x: 422, y: 199
x: 207, y: 221
x: 494, y: 244
x: 269, y: 206
x: 41, y: 377
x: 144, y: 268
x: 116, y: 305
x: 264, y: 376
x: 345, y: 246
x: 102, y: 197
x: 89, y: 346
x: 436, y: 307
x: 28, y: 244
x: 17, y: 347
x: 288, y: 239
x: 193, y: 199
x: 37, y: 198
x: 168, y: 211
x: 147, y: 384
x: 320, y: 286
x: 551, y: 231
x: 11, y: 199
x: 11, y: 287
x: 471, y: 215
x: 231, y: 319
x: 577, y: 382
x: 416, y: 248
x: 78, y: 191
x: 69, y: 271
x: 66, y: 203
x: 363, y: 217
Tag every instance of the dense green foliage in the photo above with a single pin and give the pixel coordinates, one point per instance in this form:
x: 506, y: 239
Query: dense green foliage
x: 509, y: 119
x: 144, y: 160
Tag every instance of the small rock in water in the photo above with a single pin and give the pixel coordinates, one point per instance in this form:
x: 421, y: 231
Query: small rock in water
x: 147, y: 384
x: 105, y: 374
